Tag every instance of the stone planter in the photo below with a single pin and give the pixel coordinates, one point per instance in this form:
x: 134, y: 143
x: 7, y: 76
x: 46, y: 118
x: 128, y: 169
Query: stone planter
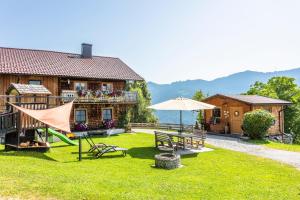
x: 167, y: 161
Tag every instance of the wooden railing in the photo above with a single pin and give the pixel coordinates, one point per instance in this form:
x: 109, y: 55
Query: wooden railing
x: 166, y: 126
x: 8, y: 123
x: 120, y: 97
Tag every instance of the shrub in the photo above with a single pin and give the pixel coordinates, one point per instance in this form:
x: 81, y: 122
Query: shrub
x: 295, y: 130
x: 256, y: 123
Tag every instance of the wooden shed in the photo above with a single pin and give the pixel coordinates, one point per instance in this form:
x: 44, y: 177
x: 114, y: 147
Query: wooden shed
x: 228, y: 115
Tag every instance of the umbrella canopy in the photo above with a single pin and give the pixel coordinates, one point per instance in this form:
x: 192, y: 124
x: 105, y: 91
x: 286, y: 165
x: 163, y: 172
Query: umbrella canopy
x: 181, y: 103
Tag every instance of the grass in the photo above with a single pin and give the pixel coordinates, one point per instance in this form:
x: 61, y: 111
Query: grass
x: 277, y: 145
x: 219, y: 174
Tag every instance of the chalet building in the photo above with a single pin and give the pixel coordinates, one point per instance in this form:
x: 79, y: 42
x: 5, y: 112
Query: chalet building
x: 230, y: 110
x: 96, y: 83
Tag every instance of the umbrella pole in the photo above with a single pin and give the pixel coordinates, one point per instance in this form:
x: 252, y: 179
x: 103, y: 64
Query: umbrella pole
x: 181, y: 127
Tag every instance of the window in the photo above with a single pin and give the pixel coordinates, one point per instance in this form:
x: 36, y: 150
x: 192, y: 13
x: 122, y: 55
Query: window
x: 216, y: 116
x: 80, y: 86
x: 107, y: 114
x: 35, y: 82
x: 107, y: 87
x: 268, y: 108
x: 80, y: 116
x: 217, y: 112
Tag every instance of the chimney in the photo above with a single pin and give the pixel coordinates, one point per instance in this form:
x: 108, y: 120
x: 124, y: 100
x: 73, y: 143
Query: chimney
x: 86, y: 50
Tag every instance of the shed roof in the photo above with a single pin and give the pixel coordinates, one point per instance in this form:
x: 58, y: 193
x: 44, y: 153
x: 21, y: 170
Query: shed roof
x: 51, y: 63
x: 28, y: 89
x: 254, y: 99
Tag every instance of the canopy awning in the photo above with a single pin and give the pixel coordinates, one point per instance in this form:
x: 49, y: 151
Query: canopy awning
x: 58, y: 117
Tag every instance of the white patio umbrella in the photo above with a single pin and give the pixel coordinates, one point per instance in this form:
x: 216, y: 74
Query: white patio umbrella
x: 182, y: 104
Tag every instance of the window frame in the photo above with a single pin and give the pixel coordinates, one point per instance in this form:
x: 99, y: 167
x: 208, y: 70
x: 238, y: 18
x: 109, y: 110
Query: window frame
x: 107, y: 83
x: 102, y: 113
x: 35, y: 80
x: 86, y: 115
x: 216, y: 118
x: 84, y: 82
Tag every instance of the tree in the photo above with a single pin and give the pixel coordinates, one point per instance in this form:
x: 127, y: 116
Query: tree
x: 199, y: 96
x: 139, y: 113
x: 262, y: 89
x: 283, y: 88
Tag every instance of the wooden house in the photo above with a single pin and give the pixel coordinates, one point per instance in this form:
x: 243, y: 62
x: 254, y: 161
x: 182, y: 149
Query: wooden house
x: 230, y: 110
x: 96, y: 83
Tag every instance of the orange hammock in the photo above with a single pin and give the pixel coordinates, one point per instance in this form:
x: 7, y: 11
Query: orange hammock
x: 58, y: 117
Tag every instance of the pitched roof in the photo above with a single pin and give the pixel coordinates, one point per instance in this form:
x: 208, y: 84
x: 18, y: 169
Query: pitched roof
x: 50, y: 63
x: 28, y: 89
x: 254, y: 99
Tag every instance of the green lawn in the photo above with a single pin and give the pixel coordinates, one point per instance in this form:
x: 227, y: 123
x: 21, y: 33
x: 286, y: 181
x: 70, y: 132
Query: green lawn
x: 277, y: 145
x: 219, y: 174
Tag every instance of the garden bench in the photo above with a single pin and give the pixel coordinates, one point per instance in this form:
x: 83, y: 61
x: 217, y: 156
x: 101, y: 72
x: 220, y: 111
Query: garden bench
x: 164, y: 142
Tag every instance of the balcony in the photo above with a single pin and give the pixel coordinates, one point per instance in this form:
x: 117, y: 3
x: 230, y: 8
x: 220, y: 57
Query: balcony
x: 89, y: 96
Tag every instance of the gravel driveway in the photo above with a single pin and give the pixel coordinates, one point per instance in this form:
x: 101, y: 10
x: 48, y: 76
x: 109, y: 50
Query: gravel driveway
x: 235, y: 144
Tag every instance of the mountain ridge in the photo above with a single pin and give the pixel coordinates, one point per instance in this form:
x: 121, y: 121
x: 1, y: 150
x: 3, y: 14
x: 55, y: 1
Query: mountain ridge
x: 232, y: 84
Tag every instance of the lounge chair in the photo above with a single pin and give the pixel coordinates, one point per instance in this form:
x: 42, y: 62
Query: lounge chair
x: 108, y: 149
x: 93, y: 145
x: 102, y: 148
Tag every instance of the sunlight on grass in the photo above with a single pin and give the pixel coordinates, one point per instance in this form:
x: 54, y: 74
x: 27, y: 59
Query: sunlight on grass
x: 277, y: 145
x: 219, y: 174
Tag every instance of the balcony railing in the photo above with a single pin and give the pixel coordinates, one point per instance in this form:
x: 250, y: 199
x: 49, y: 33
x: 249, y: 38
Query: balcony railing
x: 99, y: 96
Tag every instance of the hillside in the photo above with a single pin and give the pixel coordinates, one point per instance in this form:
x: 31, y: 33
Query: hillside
x: 232, y: 84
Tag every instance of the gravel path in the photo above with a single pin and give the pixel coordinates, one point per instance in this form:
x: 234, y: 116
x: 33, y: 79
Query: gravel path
x: 235, y: 144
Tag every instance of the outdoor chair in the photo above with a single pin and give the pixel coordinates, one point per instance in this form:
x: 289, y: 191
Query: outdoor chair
x: 109, y: 149
x: 164, y: 142
x: 197, y: 141
x: 93, y: 145
x: 102, y: 148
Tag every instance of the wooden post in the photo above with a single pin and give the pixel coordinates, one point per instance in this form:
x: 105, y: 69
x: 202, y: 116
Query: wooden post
x: 47, y: 106
x: 19, y: 121
x: 79, y: 149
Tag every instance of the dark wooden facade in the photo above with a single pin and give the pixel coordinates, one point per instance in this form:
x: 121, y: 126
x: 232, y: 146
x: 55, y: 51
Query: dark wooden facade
x: 94, y: 108
x: 231, y: 112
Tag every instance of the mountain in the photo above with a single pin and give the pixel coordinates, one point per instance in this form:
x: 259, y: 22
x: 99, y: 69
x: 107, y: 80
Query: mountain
x: 232, y: 84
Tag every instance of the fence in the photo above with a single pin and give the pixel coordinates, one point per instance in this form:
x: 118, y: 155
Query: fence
x: 8, y: 123
x: 167, y: 126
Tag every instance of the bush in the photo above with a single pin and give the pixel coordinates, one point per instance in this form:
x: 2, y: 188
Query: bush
x: 256, y: 123
x: 295, y: 130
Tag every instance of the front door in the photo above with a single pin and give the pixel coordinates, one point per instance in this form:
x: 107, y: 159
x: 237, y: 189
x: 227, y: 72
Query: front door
x: 236, y: 119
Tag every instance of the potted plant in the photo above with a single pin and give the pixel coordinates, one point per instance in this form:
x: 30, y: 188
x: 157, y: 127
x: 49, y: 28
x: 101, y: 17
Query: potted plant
x: 127, y: 128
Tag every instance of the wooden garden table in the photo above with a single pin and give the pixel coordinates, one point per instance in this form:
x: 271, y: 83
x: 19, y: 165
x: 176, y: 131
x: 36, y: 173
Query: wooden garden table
x: 181, y: 137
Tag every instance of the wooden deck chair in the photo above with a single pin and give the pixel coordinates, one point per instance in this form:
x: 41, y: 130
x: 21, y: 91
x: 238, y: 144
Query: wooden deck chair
x: 164, y: 142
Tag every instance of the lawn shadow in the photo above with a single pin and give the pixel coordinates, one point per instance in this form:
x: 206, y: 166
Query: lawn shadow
x: 143, y: 152
x: 193, y: 155
x: 32, y: 154
x: 258, y: 141
x: 63, y: 145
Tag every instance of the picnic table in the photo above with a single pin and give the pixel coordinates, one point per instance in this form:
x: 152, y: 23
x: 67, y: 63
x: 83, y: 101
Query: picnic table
x: 182, y: 138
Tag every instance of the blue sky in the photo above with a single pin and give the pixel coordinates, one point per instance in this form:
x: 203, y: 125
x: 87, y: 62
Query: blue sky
x: 164, y: 41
